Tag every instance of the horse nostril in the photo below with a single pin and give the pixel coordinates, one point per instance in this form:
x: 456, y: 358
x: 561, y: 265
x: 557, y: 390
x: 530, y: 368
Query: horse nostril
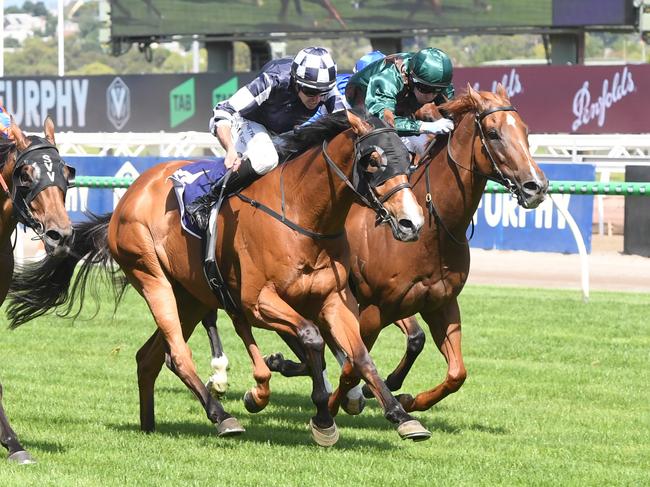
x: 53, y: 235
x: 531, y: 187
x: 406, y: 224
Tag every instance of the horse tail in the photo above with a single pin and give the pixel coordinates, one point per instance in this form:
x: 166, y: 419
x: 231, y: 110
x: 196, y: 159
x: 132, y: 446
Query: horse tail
x: 39, y: 287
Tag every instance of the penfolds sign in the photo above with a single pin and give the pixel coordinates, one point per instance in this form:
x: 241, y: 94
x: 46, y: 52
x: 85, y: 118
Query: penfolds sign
x: 571, y: 99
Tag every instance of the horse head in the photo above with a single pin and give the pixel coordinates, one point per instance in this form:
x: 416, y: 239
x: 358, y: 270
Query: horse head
x: 37, y: 180
x: 501, y: 151
x: 381, y: 175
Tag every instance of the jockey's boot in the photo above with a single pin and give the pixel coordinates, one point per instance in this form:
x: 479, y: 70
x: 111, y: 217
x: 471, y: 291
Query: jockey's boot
x: 199, y: 209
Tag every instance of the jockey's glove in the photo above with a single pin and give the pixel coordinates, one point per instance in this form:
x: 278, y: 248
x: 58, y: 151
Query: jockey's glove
x: 441, y: 126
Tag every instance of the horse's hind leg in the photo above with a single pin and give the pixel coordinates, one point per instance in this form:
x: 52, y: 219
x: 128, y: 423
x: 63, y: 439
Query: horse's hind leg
x: 445, y: 328
x: 160, y: 297
x: 258, y: 397
x: 9, y: 440
x: 218, y: 382
x: 415, y: 339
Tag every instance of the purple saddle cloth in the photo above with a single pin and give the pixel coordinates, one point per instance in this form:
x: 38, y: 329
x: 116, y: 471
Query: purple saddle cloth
x: 193, y: 181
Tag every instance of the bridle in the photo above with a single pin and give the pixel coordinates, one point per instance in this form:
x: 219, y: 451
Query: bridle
x: 500, y: 178
x: 363, y: 147
x: 44, y: 156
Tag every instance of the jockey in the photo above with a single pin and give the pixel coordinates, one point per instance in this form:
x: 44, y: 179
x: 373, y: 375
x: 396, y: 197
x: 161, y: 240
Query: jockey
x: 401, y: 84
x: 343, y: 78
x: 286, y: 93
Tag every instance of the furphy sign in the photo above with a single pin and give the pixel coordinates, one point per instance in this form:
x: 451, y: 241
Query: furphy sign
x: 31, y: 100
x: 502, y: 224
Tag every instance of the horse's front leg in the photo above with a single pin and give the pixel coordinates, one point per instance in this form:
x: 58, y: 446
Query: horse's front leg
x: 444, y: 324
x: 344, y: 329
x: 278, y: 315
x: 9, y: 440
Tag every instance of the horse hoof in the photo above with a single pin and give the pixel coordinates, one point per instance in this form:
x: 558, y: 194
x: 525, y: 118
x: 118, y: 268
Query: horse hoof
x: 367, y: 393
x: 274, y: 361
x: 229, y: 427
x: 21, y: 457
x: 324, y: 436
x: 413, y: 430
x: 353, y: 406
x: 250, y: 404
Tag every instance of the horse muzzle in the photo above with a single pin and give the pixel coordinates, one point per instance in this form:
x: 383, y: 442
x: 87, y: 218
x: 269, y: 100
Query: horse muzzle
x: 531, y: 193
x: 57, y: 240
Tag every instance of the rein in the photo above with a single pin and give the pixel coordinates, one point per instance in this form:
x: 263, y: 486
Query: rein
x: 374, y: 202
x: 501, y: 179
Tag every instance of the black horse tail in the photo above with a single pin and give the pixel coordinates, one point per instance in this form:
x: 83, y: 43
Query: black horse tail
x: 40, y: 287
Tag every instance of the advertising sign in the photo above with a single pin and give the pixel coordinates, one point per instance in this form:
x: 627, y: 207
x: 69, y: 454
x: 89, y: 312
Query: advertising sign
x: 550, y: 99
x: 502, y: 224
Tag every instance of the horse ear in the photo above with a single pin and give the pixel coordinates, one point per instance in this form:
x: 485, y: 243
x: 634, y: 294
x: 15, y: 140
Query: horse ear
x: 358, y: 125
x: 48, y: 128
x: 428, y: 112
x: 475, y: 97
x: 17, y: 135
x: 501, y: 91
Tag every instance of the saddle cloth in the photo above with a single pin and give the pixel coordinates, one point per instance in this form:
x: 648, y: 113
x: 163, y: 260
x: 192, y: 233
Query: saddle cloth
x: 193, y: 181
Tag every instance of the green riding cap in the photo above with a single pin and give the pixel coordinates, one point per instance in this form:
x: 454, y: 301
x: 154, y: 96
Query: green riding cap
x: 432, y: 67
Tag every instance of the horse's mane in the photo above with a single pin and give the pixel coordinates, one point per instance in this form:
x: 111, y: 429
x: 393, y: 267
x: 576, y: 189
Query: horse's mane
x: 5, y: 148
x: 291, y: 144
x: 458, y: 107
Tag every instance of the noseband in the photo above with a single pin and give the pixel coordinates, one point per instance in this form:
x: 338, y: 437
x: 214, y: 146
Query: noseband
x: 500, y: 178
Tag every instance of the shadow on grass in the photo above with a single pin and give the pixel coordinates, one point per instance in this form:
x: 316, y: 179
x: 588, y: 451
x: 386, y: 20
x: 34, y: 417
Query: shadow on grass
x: 45, y: 446
x: 295, y: 410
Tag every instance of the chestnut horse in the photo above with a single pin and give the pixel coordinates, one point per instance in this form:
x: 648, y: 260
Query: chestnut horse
x: 34, y: 182
x: 291, y: 280
x: 489, y: 142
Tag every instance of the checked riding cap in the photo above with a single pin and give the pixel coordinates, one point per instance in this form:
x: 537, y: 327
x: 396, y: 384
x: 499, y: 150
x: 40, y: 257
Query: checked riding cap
x: 431, y: 67
x: 313, y: 67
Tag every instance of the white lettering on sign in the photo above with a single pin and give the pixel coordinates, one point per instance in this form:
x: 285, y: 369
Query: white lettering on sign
x: 586, y: 111
x: 30, y: 101
x: 501, y: 209
x: 76, y: 199
x: 510, y: 82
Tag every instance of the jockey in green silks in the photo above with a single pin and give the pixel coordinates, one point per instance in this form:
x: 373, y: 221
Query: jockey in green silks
x: 395, y: 87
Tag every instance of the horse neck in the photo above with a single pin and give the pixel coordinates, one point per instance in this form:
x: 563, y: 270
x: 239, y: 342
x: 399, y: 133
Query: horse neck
x: 455, y: 189
x: 315, y: 196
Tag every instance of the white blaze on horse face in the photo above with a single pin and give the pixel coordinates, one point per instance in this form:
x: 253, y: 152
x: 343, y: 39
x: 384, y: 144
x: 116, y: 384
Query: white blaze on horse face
x: 412, y: 211
x: 531, y: 164
x: 510, y: 120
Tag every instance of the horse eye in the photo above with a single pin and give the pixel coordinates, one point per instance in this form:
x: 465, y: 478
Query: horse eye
x: 493, y: 134
x: 25, y: 177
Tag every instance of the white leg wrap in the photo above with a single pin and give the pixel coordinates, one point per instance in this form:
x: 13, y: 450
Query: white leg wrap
x: 355, y: 393
x: 219, y: 377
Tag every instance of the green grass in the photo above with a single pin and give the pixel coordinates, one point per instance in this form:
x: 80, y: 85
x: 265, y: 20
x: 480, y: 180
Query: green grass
x: 557, y: 394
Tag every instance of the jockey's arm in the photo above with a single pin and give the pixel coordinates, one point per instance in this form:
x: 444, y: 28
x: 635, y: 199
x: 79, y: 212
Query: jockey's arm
x: 223, y: 133
x: 381, y: 95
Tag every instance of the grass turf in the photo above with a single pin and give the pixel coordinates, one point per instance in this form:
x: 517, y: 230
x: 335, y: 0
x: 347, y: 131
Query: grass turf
x: 557, y: 394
